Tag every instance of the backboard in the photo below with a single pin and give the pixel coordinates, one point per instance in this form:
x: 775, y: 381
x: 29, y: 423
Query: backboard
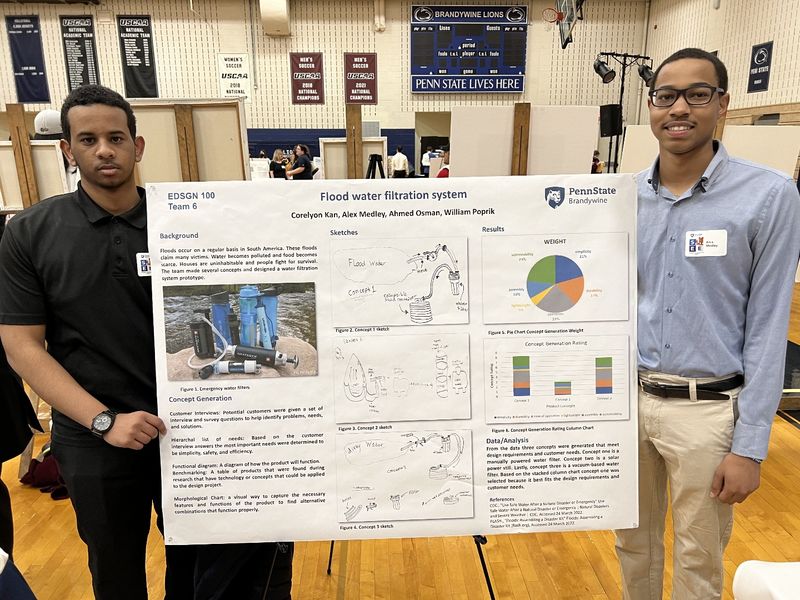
x: 572, y: 11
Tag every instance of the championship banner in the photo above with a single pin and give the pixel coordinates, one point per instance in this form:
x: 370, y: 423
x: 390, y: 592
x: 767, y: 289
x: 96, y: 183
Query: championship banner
x: 360, y: 78
x: 234, y: 76
x: 138, y: 56
x: 308, y: 84
x: 80, y: 51
x: 27, y: 58
x: 395, y: 358
x: 468, y: 49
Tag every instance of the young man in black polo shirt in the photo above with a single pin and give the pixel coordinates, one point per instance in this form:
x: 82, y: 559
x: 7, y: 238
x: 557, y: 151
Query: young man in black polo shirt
x: 70, y: 268
x: 69, y: 272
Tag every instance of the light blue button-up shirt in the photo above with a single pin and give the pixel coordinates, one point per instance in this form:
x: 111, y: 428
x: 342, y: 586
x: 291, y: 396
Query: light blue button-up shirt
x: 707, y: 311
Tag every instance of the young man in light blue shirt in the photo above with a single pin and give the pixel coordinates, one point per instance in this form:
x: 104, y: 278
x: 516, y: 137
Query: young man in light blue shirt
x: 719, y: 240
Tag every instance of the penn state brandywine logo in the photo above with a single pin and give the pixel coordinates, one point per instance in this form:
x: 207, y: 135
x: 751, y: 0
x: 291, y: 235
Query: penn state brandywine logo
x: 554, y: 196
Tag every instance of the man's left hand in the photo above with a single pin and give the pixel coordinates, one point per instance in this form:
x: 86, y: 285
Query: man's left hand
x: 735, y: 479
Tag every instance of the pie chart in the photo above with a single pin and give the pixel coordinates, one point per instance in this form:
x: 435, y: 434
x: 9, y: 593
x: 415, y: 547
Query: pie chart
x: 555, y: 283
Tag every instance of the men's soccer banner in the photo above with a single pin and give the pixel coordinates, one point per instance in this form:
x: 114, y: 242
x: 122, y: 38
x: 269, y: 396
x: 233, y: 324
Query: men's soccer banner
x: 395, y: 358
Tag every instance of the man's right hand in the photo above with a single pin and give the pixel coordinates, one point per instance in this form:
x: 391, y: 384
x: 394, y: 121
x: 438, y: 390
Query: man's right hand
x: 134, y: 430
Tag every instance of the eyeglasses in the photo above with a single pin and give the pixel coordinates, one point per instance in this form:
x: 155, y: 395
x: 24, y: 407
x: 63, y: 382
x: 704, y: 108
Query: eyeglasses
x: 697, y: 95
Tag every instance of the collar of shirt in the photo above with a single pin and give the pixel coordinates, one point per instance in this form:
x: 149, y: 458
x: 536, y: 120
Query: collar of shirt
x: 136, y: 217
x: 710, y: 175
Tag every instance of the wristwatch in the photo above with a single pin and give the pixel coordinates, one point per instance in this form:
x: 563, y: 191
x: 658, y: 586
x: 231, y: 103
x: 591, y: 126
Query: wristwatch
x: 103, y: 423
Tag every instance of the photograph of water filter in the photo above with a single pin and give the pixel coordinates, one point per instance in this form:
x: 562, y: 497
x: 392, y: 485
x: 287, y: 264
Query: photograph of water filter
x: 240, y: 331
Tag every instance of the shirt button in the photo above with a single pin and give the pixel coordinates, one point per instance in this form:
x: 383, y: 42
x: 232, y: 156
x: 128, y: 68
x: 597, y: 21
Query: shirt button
x: 672, y: 238
x: 119, y: 261
x: 669, y: 310
x: 117, y: 241
x: 669, y: 274
x: 666, y: 346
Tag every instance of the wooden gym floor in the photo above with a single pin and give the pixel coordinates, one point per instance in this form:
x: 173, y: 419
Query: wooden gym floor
x: 547, y: 566
x: 579, y: 565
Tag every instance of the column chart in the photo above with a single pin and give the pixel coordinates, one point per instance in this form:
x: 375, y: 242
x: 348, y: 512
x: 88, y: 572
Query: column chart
x: 558, y: 379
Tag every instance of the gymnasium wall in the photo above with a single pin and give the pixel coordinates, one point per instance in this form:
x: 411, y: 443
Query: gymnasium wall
x: 733, y: 30
x: 188, y: 36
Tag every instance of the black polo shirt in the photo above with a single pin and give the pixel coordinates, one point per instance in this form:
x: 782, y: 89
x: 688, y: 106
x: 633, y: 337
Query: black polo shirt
x: 308, y: 166
x: 70, y: 265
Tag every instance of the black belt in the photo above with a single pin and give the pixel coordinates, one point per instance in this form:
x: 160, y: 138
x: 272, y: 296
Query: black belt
x: 705, y: 391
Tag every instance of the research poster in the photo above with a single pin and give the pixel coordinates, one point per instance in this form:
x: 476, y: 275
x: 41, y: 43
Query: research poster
x: 395, y: 358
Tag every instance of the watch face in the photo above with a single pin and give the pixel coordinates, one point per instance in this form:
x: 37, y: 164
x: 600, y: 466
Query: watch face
x: 102, y: 422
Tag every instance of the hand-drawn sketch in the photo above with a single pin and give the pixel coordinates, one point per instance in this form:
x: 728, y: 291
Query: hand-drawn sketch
x: 556, y: 277
x: 410, y: 281
x: 564, y: 379
x: 399, y: 476
x: 401, y: 378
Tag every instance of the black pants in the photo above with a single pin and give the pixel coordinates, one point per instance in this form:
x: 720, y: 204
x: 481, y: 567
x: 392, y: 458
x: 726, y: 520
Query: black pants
x: 399, y: 174
x: 6, y: 522
x: 113, y: 491
x: 244, y: 571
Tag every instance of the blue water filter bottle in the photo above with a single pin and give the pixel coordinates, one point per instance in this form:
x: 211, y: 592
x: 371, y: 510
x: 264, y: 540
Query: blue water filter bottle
x: 268, y: 317
x: 220, y: 309
x: 248, y: 300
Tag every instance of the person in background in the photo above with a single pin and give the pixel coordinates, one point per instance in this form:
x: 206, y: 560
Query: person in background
x: 596, y: 165
x: 262, y: 154
x: 426, y: 162
x: 277, y: 166
x: 398, y: 164
x: 16, y: 420
x: 17, y: 417
x: 303, y: 168
x: 445, y: 170
x: 718, y: 241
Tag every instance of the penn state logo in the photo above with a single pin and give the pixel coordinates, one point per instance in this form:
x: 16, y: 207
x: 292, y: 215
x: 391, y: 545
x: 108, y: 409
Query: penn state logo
x: 422, y: 13
x: 554, y: 196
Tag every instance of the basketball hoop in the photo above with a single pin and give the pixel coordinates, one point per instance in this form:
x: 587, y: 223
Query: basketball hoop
x: 551, y: 15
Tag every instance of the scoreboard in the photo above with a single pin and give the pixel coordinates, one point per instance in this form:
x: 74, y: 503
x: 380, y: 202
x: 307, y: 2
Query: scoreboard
x: 468, y: 49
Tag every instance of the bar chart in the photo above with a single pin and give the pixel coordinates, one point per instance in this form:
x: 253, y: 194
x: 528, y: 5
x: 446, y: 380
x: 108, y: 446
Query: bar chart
x: 574, y: 378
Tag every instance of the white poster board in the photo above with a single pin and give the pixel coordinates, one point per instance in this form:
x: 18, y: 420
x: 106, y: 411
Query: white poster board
x: 561, y: 140
x: 639, y: 150
x: 49, y: 170
x: 333, y: 152
x: 454, y: 356
x: 776, y: 146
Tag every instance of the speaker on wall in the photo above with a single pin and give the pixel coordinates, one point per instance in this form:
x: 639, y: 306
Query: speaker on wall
x: 610, y: 120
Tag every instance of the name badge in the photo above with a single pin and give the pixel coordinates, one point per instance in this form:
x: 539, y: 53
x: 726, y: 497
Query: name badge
x: 713, y: 242
x: 143, y: 264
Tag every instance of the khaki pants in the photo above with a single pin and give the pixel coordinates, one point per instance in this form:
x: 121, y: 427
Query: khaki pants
x: 681, y: 444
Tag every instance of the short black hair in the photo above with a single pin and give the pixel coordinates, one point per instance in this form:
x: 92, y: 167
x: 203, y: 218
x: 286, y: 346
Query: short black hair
x: 399, y: 149
x: 719, y: 67
x: 86, y: 95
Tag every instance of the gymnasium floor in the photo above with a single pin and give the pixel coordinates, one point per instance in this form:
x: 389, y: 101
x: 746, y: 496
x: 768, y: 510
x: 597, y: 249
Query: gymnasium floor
x: 579, y: 565
x: 552, y: 566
